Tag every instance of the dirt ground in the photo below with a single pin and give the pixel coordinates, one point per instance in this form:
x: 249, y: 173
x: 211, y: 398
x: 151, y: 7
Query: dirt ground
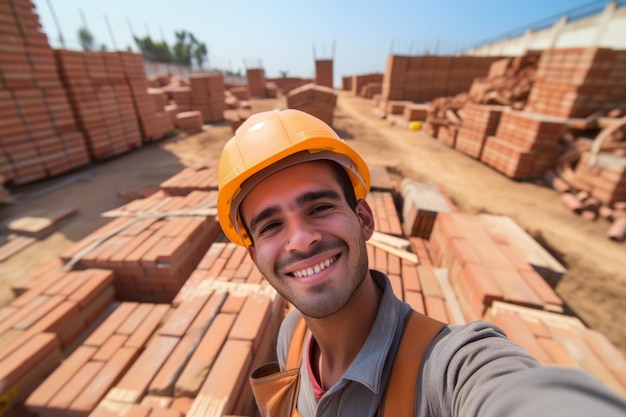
x: 594, y: 286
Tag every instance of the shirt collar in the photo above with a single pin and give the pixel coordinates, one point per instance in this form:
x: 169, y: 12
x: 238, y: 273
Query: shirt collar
x: 370, y: 363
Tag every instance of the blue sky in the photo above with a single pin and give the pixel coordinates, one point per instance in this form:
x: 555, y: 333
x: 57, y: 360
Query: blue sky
x: 288, y: 35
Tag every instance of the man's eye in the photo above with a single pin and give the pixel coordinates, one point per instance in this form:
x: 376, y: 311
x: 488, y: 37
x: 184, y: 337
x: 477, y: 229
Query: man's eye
x: 321, y: 208
x: 268, y: 227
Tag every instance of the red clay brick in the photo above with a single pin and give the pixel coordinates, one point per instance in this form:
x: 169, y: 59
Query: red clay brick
x: 181, y: 318
x: 36, y: 349
x: 110, y: 325
x: 40, y: 397
x: 252, y: 320
x: 132, y: 387
x: 202, y: 360
x: 110, y: 347
x: 96, y: 389
x: 225, y: 381
x: 141, y: 335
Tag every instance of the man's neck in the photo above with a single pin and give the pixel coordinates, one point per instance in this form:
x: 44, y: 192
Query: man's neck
x: 341, y: 336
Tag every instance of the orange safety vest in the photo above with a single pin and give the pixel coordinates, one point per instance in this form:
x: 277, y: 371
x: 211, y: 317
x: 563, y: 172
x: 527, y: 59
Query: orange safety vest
x: 276, y: 392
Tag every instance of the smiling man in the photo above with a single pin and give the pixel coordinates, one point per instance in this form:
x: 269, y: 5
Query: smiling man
x: 293, y: 193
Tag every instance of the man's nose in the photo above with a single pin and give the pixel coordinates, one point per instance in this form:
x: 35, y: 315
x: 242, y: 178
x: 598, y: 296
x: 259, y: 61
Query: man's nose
x: 302, y: 235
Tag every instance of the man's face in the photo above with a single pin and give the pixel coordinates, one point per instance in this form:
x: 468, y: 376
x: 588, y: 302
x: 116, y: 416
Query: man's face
x: 308, y: 243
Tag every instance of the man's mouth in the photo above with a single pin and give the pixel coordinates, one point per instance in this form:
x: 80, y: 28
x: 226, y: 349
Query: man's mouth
x: 315, y: 269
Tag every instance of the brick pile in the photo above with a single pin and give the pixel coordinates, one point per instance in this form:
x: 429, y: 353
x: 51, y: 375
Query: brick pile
x: 421, y: 202
x: 314, y: 99
x: 386, y: 219
x: 605, y: 179
x: 479, y: 122
x: 44, y: 320
x: 557, y: 340
x: 190, y: 122
x: 484, y: 267
x: 422, y: 286
x: 256, y: 82
x: 525, y: 145
x: 576, y: 82
x: 207, y: 96
x: 102, y: 104
x: 358, y: 83
x: 181, y: 95
x: 147, y: 112
x: 200, y: 177
x: 324, y: 72
x: 152, y: 244
x: 423, y: 78
x: 39, y: 134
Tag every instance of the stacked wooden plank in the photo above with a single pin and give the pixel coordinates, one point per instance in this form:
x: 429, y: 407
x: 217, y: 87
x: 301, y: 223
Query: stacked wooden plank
x: 525, y: 145
x: 256, y: 82
x: 557, y: 340
x: 324, y: 72
x: 44, y: 320
x: 153, y: 244
x: 314, y: 99
x: 484, y: 267
x: 386, y: 219
x: 199, y: 177
x: 577, y: 82
x: 39, y: 137
x: 207, y: 96
x: 479, y: 122
x: 421, y: 202
x: 135, y: 75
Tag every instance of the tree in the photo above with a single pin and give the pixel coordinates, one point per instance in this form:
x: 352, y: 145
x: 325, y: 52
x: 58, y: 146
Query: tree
x: 201, y: 54
x: 86, y: 39
x: 153, y: 51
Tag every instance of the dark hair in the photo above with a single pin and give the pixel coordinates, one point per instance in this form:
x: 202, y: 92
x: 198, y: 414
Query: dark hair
x: 343, y: 179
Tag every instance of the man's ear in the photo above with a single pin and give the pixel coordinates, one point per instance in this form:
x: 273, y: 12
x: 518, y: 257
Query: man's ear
x: 366, y: 217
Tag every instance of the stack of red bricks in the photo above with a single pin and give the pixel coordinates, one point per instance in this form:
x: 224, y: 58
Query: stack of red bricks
x: 324, y: 72
x: 207, y: 96
x: 153, y: 244
x: 483, y: 267
x: 147, y: 113
x: 190, y: 121
x: 357, y: 83
x: 43, y: 321
x: 417, y: 282
x: 479, y: 122
x: 39, y: 137
x: 314, y: 99
x: 577, y: 82
x: 604, y: 177
x: 181, y: 95
x: 192, y: 358
x: 102, y: 103
x: 386, y: 219
x: 256, y: 82
x: 421, y: 202
x: 558, y: 340
x: 423, y: 78
x: 525, y: 145
x: 200, y: 177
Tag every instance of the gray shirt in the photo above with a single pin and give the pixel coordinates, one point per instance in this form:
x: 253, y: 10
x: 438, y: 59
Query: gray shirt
x: 468, y: 370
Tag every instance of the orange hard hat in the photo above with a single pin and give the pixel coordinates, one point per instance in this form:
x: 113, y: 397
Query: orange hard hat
x: 269, y: 141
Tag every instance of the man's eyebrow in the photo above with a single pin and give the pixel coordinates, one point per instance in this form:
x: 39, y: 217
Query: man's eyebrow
x: 317, y: 195
x: 266, y: 213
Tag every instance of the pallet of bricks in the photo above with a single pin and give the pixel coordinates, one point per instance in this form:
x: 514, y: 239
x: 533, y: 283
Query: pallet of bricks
x: 40, y: 137
x: 314, y: 99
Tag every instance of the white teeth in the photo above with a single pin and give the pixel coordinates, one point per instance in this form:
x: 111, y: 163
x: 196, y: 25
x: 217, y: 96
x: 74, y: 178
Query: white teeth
x: 315, y: 269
